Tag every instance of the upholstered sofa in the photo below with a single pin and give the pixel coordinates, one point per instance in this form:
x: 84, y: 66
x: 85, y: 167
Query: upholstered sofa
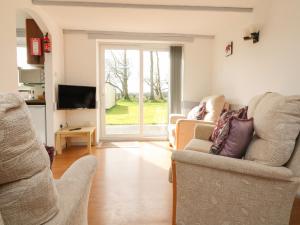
x: 259, y: 189
x: 181, y: 129
x: 28, y: 193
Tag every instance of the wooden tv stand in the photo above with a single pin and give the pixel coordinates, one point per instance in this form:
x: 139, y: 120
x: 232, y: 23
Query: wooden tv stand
x: 87, y: 132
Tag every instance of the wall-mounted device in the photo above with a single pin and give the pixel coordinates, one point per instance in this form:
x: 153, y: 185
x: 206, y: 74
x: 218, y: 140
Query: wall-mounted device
x: 253, y: 36
x: 35, y: 46
x: 76, y: 97
x: 32, y: 76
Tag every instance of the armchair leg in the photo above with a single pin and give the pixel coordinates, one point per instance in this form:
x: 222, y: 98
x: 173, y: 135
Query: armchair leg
x: 174, y: 192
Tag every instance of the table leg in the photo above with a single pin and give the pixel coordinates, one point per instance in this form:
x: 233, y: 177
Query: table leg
x: 58, y: 144
x: 68, y: 142
x: 90, y: 143
x: 94, y: 138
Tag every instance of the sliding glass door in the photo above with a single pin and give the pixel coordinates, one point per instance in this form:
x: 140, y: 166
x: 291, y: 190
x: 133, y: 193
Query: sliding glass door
x: 134, y: 91
x: 156, y: 72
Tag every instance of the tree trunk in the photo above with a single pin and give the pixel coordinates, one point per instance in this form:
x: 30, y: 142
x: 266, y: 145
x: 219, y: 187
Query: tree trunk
x: 125, y: 81
x: 151, y: 77
x: 160, y: 94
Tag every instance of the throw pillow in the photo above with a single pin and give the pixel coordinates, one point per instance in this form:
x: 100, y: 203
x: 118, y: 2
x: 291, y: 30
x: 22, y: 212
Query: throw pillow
x: 202, y: 111
x: 50, y: 150
x: 239, y: 136
x: 224, y: 119
x: 192, y: 115
x: 222, y: 128
x: 198, y: 112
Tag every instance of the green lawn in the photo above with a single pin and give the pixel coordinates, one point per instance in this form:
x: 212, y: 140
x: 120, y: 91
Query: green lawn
x: 127, y: 112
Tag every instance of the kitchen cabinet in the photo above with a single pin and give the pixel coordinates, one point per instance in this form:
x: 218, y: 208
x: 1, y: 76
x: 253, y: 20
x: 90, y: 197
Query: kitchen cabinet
x: 38, y: 116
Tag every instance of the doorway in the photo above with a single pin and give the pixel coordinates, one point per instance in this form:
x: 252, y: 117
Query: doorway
x: 134, y: 101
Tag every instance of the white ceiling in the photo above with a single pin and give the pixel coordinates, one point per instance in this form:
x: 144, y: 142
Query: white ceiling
x: 221, y: 3
x: 153, y: 20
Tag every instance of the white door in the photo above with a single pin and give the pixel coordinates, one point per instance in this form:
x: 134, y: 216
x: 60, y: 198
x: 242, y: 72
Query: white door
x: 134, y: 91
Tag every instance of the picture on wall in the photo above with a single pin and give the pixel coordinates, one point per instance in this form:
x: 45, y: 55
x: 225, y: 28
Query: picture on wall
x: 229, y: 49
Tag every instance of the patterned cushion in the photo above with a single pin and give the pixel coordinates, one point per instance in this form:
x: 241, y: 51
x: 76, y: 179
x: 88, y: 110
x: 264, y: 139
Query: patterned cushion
x: 192, y: 115
x: 202, y: 111
x: 198, y: 112
x: 222, y: 128
x: 224, y: 118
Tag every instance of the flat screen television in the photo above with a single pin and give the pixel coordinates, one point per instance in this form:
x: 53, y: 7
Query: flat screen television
x: 76, y: 97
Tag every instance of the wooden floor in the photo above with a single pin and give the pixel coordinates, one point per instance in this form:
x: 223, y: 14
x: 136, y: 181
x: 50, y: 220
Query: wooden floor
x: 131, y: 184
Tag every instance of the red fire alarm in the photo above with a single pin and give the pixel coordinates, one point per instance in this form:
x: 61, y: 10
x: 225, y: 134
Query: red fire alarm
x: 47, y: 43
x: 35, y: 46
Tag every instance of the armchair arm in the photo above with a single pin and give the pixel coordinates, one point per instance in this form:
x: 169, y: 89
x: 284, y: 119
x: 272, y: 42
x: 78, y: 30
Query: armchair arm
x: 240, y: 166
x: 185, y: 131
x: 1, y: 221
x: 219, y: 190
x: 173, y: 118
x: 203, y: 131
x: 73, y: 190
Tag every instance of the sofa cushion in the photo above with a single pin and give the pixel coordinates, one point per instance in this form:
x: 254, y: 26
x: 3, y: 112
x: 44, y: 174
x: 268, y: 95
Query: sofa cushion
x: 293, y: 164
x: 222, y: 128
x: 276, y: 125
x: 199, y: 145
x: 214, y: 107
x: 27, y: 192
x: 239, y: 137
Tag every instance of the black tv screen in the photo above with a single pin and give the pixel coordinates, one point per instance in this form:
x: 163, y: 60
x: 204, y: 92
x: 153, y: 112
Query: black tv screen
x: 76, y: 97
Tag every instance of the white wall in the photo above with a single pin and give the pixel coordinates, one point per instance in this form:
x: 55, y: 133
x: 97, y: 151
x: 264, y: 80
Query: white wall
x: 8, y: 61
x: 81, y: 66
x: 270, y: 65
x: 197, y: 69
x: 80, y: 69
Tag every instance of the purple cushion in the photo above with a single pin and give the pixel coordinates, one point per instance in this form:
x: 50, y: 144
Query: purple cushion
x: 51, y: 152
x: 239, y: 137
x: 222, y: 128
x: 224, y: 119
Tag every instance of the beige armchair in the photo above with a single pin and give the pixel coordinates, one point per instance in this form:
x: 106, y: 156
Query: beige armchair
x: 211, y: 189
x: 28, y: 193
x: 181, y: 129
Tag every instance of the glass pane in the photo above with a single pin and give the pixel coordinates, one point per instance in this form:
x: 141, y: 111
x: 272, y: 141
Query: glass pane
x: 122, y: 74
x: 156, y: 92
